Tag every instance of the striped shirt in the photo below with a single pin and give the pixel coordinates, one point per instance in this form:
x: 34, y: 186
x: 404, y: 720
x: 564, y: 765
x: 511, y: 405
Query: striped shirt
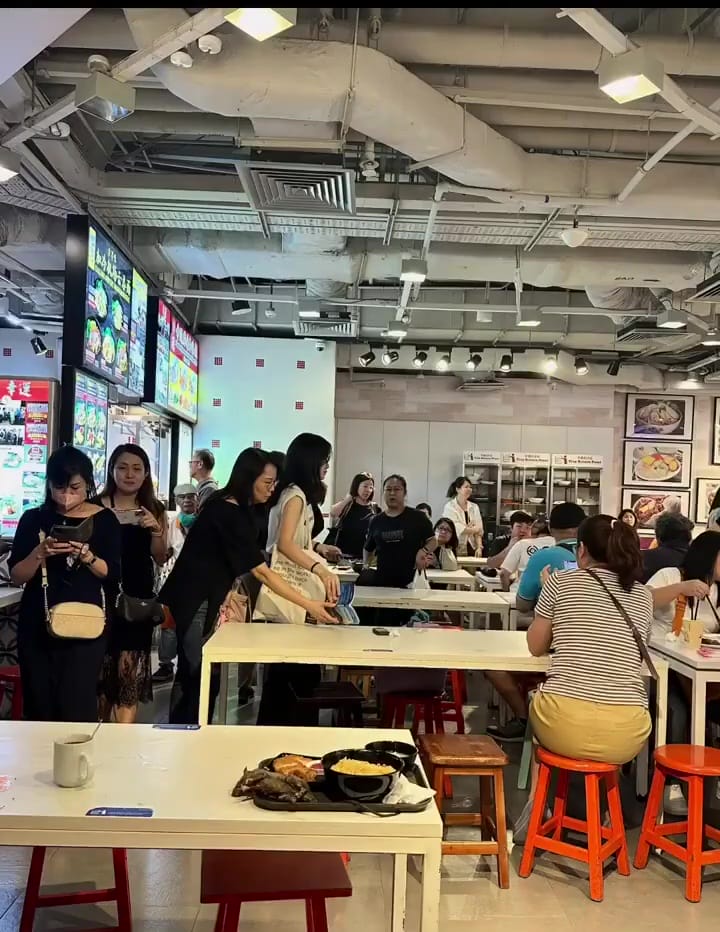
x: 595, y: 655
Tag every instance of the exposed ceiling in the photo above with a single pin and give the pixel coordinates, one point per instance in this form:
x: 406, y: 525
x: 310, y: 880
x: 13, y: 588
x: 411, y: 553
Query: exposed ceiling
x: 298, y: 173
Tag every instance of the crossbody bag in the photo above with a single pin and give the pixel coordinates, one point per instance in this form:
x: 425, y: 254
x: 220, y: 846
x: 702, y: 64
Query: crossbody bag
x: 72, y: 620
x: 642, y: 646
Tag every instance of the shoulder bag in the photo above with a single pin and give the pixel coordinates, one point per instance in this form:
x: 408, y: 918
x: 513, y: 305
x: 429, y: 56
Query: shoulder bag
x: 73, y: 620
x: 642, y: 646
x: 135, y: 610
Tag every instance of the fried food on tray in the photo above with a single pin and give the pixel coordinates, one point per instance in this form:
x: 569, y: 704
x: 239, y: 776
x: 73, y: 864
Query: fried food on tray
x: 271, y: 785
x: 296, y: 766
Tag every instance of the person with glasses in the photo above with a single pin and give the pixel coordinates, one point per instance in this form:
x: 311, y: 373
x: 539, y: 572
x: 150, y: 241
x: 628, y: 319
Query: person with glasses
x: 201, y: 467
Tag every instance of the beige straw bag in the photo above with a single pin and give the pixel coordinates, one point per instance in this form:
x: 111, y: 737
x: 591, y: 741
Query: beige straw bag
x: 76, y: 620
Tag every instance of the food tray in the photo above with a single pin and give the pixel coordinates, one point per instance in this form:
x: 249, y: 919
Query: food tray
x: 325, y: 803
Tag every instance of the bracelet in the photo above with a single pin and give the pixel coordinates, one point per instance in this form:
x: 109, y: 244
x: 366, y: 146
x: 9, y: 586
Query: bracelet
x: 312, y: 568
x: 92, y: 562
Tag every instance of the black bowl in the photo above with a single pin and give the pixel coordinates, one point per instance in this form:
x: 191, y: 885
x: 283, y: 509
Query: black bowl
x: 406, y: 752
x: 363, y: 789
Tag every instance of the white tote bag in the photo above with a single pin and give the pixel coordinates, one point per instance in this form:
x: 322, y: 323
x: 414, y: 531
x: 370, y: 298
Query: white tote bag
x: 420, y: 581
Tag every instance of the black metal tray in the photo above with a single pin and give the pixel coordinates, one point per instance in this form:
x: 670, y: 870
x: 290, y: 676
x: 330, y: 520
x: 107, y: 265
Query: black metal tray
x: 326, y: 803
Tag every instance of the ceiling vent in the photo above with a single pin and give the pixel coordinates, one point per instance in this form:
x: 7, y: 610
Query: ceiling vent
x: 708, y: 291
x: 640, y: 332
x: 327, y: 328
x: 298, y: 189
x: 481, y: 386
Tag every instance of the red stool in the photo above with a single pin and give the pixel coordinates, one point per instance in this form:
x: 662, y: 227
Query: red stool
x: 691, y: 763
x: 602, y: 841
x: 427, y: 711
x: 452, y: 706
x: 10, y: 676
x: 231, y: 878
x: 120, y: 894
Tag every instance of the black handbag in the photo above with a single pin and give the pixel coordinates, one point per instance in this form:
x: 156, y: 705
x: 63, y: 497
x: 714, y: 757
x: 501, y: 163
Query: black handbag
x: 135, y: 610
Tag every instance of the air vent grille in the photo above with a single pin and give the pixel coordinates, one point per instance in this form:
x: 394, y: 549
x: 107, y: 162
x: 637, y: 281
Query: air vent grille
x: 640, y: 333
x: 478, y: 386
x: 708, y: 291
x: 326, y: 328
x: 298, y: 189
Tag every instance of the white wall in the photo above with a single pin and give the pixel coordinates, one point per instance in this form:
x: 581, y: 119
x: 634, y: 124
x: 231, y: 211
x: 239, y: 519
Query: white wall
x: 295, y: 385
x: 17, y: 357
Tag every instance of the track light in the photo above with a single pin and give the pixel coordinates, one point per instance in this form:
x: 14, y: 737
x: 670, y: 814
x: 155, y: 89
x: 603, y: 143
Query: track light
x: 419, y: 359
x: 506, y: 363
x: 442, y: 363
x: 38, y: 346
x: 581, y: 367
x: 473, y: 362
x: 550, y: 363
x: 240, y: 307
x: 9, y: 165
x: 528, y: 317
x: 574, y: 236
x: 672, y: 319
x: 631, y: 76
x: 389, y: 357
x: 396, y: 329
x: 262, y: 22
x: 614, y: 367
x: 366, y: 359
x: 413, y: 270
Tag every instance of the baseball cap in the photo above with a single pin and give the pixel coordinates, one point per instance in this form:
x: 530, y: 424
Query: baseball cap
x: 566, y: 516
x: 185, y: 488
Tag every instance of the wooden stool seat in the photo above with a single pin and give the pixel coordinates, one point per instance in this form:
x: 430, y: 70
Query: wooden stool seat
x: 231, y: 878
x: 447, y: 756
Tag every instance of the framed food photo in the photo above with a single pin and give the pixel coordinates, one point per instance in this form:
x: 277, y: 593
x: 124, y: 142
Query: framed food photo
x: 716, y: 434
x: 706, y: 489
x: 649, y: 504
x: 648, y: 417
x: 657, y: 463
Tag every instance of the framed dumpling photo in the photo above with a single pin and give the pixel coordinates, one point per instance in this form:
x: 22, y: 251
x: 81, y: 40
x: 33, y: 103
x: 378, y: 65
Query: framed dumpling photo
x: 656, y: 463
x: 649, y: 417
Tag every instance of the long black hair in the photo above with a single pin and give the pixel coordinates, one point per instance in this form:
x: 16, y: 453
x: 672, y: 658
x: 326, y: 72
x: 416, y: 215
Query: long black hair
x: 305, y: 458
x: 456, y: 485
x: 358, y: 481
x: 62, y: 467
x: 248, y: 467
x: 453, y: 543
x: 145, y: 495
x: 700, y: 559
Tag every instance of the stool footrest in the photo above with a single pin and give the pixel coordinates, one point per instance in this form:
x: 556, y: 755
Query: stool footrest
x: 82, y: 898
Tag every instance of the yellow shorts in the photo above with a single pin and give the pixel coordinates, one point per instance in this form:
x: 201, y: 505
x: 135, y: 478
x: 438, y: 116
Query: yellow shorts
x: 613, y: 734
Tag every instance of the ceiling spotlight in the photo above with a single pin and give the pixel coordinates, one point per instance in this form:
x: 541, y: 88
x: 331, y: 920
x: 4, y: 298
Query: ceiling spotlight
x: 270, y: 312
x: 528, y: 317
x: 419, y: 359
x: 581, y: 367
x: 406, y: 317
x: 102, y: 96
x: 210, y: 44
x: 240, y: 307
x: 631, y: 76
x: 9, y: 165
x: 413, y: 270
x: 262, y: 22
x: 442, y: 364
x: 395, y: 329
x: 309, y: 313
x: 38, y: 346
x: 672, y: 319
x: 366, y: 359
x: 389, y: 357
x: 506, y: 363
x: 574, y: 236
x: 473, y: 362
x: 483, y: 317
x: 550, y: 363
x: 181, y: 59
x: 614, y: 367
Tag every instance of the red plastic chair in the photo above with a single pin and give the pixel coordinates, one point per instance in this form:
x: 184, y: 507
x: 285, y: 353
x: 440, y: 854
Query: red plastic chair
x: 603, y: 842
x: 119, y: 894
x: 10, y: 677
x: 427, y: 711
x: 692, y: 764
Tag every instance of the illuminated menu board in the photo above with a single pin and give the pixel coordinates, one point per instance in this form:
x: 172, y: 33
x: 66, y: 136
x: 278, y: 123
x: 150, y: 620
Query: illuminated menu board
x: 138, y: 334
x: 90, y: 416
x: 183, y: 375
x: 107, y: 309
x: 162, y: 366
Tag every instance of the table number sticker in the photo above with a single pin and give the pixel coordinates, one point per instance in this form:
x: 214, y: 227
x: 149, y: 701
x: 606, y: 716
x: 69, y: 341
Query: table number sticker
x: 167, y: 727
x: 120, y: 811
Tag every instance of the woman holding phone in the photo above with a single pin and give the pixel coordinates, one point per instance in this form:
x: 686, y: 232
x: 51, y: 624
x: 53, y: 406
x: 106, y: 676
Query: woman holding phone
x: 59, y: 676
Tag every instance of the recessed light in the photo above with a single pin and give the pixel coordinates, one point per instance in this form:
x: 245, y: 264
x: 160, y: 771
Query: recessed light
x: 413, y: 270
x: 672, y: 318
x: 631, y: 76
x: 262, y: 22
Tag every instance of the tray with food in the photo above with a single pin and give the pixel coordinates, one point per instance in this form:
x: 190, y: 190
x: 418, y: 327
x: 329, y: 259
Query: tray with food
x: 382, y: 778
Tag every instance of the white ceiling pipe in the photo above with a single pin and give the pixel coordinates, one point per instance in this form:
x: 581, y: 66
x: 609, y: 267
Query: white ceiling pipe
x: 606, y: 140
x: 502, y: 116
x: 179, y: 124
x: 26, y: 31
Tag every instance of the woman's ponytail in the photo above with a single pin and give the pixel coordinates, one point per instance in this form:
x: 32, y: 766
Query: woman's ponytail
x: 614, y: 544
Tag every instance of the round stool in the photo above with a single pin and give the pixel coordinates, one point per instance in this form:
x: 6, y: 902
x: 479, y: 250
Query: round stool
x: 690, y: 763
x: 602, y: 841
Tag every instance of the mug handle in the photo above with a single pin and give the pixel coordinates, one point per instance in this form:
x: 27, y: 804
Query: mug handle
x: 84, y: 769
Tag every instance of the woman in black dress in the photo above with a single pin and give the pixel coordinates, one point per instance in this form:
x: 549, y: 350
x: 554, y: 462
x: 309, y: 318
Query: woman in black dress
x: 127, y: 675
x: 353, y: 515
x: 59, y: 675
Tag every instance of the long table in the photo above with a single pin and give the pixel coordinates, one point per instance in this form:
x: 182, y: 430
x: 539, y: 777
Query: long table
x: 459, y: 578
x: 699, y: 670
x: 186, y: 778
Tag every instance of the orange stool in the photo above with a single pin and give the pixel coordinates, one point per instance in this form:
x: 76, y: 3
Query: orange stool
x: 231, y: 878
x: 691, y: 763
x: 10, y: 676
x: 119, y: 894
x: 427, y: 711
x: 602, y: 843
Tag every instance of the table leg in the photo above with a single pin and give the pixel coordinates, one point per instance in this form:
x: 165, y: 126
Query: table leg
x: 223, y: 694
x: 512, y: 622
x: 661, y: 705
x: 699, y: 682
x: 399, y: 893
x: 204, y: 691
x: 430, y: 906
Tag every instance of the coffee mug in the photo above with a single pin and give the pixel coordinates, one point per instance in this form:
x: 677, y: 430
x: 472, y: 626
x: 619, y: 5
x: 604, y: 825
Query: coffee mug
x: 72, y: 760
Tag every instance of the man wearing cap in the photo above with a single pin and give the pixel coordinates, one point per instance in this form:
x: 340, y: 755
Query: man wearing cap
x: 186, y: 499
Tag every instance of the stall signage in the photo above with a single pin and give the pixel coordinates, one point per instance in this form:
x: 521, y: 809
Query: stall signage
x: 581, y: 460
x: 482, y: 458
x: 526, y: 459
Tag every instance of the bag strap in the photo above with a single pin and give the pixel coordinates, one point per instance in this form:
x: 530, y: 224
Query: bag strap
x: 43, y: 570
x: 642, y: 647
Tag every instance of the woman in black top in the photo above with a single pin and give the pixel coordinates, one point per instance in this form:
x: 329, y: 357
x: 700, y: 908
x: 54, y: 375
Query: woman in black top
x: 127, y: 675
x: 221, y: 546
x: 59, y: 675
x: 353, y: 515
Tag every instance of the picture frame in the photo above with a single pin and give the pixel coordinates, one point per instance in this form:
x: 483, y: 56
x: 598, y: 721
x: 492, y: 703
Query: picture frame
x: 659, y: 463
x: 659, y: 417
x: 715, y: 456
x: 649, y: 504
x: 705, y: 492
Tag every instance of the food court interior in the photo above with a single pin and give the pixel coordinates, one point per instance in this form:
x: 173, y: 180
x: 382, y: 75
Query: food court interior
x: 455, y: 242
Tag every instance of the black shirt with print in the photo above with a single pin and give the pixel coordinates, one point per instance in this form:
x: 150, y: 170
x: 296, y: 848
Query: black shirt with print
x: 396, y: 541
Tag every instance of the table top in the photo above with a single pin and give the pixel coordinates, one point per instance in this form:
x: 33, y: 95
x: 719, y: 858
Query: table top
x: 681, y: 653
x: 352, y: 645
x: 472, y: 562
x: 9, y: 595
x: 459, y: 600
x: 509, y: 597
x: 186, y: 777
x: 448, y: 577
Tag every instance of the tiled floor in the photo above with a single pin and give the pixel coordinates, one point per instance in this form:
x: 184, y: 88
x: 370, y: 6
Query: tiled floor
x: 165, y: 890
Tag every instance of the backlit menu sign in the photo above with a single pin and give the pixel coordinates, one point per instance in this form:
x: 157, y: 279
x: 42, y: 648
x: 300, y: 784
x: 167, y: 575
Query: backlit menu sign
x: 138, y: 334
x: 90, y: 417
x: 24, y: 444
x: 162, y: 366
x: 183, y: 375
x: 107, y: 309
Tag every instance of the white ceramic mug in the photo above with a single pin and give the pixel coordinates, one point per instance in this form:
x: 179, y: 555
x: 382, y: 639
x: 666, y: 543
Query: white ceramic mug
x: 72, y: 760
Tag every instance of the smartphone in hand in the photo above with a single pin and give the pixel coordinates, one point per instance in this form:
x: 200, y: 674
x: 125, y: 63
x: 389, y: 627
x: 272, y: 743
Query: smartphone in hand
x: 128, y: 515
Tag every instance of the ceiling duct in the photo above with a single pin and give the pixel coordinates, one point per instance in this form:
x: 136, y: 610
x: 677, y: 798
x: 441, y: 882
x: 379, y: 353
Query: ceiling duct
x: 298, y: 189
x: 708, y: 292
x: 640, y: 332
x: 481, y: 386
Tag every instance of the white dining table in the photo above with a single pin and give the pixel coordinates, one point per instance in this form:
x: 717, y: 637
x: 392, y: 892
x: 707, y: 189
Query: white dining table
x: 185, y: 778
x: 699, y: 670
x: 471, y: 563
x: 455, y: 579
x: 9, y: 596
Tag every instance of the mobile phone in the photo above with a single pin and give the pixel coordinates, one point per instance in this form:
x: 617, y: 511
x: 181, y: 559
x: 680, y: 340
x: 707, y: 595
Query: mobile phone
x: 571, y: 564
x: 67, y: 534
x: 380, y: 631
x: 128, y: 515
x: 347, y: 593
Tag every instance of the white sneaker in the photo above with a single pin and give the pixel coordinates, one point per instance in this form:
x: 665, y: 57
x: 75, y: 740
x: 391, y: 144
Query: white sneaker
x: 674, y: 803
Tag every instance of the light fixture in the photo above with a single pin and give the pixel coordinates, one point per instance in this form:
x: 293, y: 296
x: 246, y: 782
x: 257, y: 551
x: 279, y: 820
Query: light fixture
x: 38, y: 346
x: 631, y: 76
x: 9, y: 165
x: 309, y: 313
x: 262, y: 22
x: 672, y: 319
x: 528, y: 317
x: 102, y: 96
x: 483, y: 317
x: 406, y: 317
x: 581, y: 367
x: 270, y: 312
x: 389, y: 357
x: 366, y: 359
x: 614, y: 367
x: 210, y: 44
x: 442, y: 363
x: 419, y: 359
x: 574, y: 236
x: 712, y: 339
x: 181, y: 59
x: 550, y: 363
x: 473, y: 362
x: 240, y: 307
x: 413, y: 270
x: 506, y: 363
x: 395, y: 329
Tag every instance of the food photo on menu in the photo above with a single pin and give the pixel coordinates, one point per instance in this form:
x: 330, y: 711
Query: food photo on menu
x: 649, y: 504
x: 657, y: 463
x: 107, y: 311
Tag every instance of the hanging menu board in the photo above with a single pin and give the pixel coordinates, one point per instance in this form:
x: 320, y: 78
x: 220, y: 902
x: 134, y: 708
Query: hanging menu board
x: 162, y: 366
x: 183, y: 372
x: 90, y: 417
x: 107, y: 309
x: 138, y: 334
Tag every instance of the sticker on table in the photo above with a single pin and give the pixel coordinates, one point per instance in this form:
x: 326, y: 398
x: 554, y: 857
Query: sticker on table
x: 122, y: 812
x: 5, y: 783
x: 167, y: 727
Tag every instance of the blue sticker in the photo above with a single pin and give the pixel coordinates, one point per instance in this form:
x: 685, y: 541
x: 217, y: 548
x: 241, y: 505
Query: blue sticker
x: 347, y: 593
x: 120, y: 811
x: 167, y: 727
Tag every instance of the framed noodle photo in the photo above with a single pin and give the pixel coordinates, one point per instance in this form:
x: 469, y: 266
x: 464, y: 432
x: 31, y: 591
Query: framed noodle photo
x: 706, y: 489
x: 649, y: 504
x: 661, y: 417
x: 657, y: 463
x: 716, y: 434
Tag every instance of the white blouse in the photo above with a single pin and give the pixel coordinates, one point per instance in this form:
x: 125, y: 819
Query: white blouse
x: 456, y: 514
